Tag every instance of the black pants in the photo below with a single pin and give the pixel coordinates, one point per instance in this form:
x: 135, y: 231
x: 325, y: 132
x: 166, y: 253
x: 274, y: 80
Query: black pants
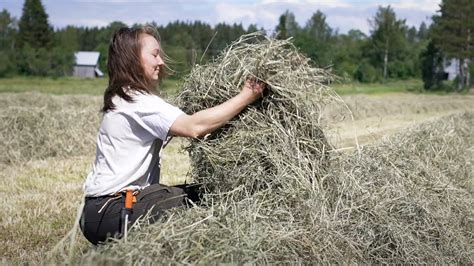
x: 99, y: 222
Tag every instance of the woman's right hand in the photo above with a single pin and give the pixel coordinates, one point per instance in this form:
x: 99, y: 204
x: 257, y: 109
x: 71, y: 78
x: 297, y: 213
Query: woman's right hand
x: 253, y: 89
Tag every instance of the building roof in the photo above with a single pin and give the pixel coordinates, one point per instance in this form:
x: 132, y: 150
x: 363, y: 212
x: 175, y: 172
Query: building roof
x: 87, y: 58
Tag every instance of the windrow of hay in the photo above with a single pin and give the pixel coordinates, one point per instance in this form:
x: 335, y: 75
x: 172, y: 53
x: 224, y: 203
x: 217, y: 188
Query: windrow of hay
x: 407, y: 199
x: 39, y: 199
x: 276, y: 192
x: 38, y: 126
x: 363, y: 106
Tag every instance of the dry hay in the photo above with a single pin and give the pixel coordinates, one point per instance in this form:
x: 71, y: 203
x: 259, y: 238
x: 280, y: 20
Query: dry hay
x: 405, y: 200
x: 259, y: 148
x: 363, y: 106
x: 38, y: 126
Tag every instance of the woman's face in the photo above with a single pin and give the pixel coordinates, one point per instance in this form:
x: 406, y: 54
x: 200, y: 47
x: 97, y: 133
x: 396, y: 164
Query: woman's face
x: 150, y: 56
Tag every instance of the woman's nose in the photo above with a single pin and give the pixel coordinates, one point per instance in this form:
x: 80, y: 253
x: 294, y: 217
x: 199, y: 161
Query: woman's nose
x: 160, y: 60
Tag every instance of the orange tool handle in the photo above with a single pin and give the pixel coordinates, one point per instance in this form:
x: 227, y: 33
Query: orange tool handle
x: 129, y: 199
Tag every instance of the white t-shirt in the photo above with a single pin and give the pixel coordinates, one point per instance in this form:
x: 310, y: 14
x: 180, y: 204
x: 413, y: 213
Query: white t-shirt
x: 128, y: 144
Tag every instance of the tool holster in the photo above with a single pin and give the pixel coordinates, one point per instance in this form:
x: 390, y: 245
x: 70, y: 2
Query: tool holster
x: 128, y: 199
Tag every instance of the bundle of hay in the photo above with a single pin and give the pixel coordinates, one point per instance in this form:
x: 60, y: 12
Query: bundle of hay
x: 261, y: 147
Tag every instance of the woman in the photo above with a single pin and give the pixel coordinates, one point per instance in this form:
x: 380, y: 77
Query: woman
x: 124, y: 182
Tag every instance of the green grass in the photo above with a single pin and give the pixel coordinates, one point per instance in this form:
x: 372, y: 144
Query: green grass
x: 70, y: 85
x: 412, y: 85
x: 67, y: 85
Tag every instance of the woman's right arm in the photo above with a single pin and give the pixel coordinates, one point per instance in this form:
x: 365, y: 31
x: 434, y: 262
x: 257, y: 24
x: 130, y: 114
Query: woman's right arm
x: 208, y: 120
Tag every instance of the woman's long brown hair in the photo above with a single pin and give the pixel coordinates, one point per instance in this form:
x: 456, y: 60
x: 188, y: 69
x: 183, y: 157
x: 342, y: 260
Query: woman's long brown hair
x: 124, y: 66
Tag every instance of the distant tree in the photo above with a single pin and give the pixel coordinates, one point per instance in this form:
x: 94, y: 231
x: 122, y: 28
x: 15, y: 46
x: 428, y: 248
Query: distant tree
x: 8, y: 25
x: 34, y: 27
x: 407, y: 60
x: 387, y: 35
x: 225, y: 34
x: 315, y: 40
x: 67, y: 38
x: 348, y: 56
x: 89, y: 38
x: 356, y: 35
x: 453, y: 33
x: 412, y: 35
x: 202, y: 34
x: 66, y: 42
x: 252, y: 28
x: 106, y: 33
x: 317, y: 28
x: 61, y: 61
x: 8, y: 30
x: 35, y: 40
x: 432, y: 67
x: 287, y: 25
x: 365, y: 72
x: 189, y: 43
x: 423, y: 32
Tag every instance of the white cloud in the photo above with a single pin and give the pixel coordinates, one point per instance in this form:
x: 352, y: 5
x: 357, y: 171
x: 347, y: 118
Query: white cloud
x: 341, y: 23
x: 235, y: 13
x: 325, y: 3
x: 266, y: 12
x: 82, y: 22
x: 430, y: 6
x: 329, y: 3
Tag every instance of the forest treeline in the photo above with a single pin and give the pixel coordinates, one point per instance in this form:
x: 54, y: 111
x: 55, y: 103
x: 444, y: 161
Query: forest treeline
x: 392, y: 50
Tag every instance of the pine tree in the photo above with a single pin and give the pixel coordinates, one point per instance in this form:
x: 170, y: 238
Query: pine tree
x: 432, y: 67
x: 453, y: 34
x: 412, y: 35
x: 34, y: 27
x: 315, y: 40
x: 36, y: 54
x: 287, y: 26
x: 317, y: 27
x: 422, y: 32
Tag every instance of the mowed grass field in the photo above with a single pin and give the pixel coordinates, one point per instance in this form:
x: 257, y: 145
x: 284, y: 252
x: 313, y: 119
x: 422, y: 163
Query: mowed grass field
x: 71, y: 85
x: 48, y: 129
x: 67, y: 85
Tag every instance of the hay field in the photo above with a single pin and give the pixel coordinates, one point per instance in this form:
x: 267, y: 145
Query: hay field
x: 47, y: 147
x: 376, y: 116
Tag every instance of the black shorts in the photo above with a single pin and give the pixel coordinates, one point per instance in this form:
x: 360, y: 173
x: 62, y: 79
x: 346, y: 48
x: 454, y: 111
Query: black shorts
x: 98, y: 222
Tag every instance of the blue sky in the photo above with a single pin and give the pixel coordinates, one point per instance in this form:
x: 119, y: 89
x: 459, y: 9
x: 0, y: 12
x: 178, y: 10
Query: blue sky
x: 341, y: 14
